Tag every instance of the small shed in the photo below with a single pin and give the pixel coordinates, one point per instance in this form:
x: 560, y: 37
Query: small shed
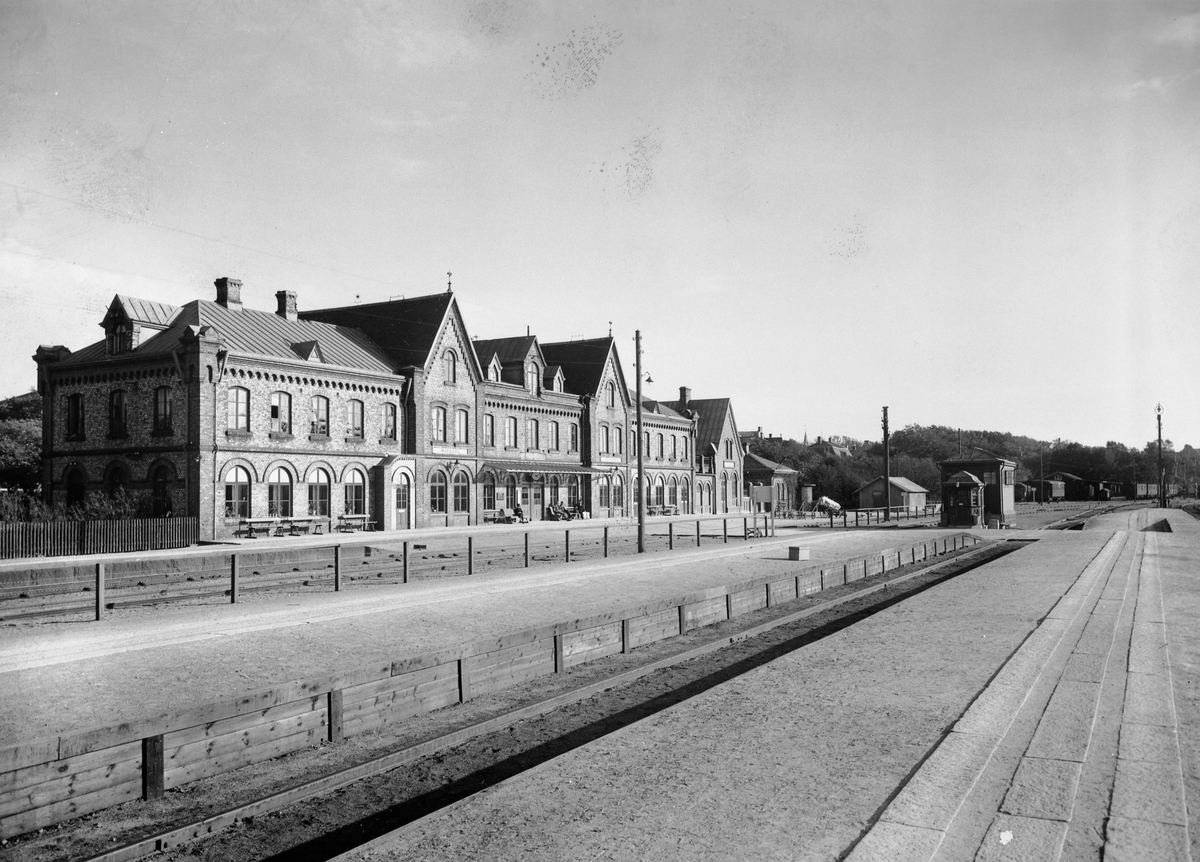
x: 770, y: 474
x: 962, y: 500
x: 998, y: 477
x: 904, y: 492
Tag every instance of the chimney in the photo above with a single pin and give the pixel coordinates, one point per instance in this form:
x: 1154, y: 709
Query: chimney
x: 685, y: 396
x: 287, y: 304
x: 229, y: 293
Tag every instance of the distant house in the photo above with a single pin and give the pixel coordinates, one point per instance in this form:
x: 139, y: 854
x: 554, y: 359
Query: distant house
x: 1074, y: 487
x: 764, y: 473
x: 904, y: 492
x: 830, y: 450
x: 998, y: 476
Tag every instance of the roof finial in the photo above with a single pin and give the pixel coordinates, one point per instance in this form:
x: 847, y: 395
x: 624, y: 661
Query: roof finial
x: 448, y: 274
x: 610, y: 329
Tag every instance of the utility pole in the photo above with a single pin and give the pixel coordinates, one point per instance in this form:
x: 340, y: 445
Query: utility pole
x: 887, y: 471
x: 1162, y: 487
x: 641, y: 488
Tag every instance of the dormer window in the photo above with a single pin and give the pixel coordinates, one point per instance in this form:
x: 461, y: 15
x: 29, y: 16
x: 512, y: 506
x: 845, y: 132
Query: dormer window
x: 120, y: 338
x: 531, y: 379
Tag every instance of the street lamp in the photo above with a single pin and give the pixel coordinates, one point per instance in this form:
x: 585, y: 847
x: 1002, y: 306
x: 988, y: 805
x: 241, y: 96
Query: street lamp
x: 1162, y: 488
x: 641, y: 488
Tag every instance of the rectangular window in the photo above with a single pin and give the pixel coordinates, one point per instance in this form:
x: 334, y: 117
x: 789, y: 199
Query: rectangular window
x: 460, y: 426
x: 320, y: 415
x: 489, y: 433
x: 354, y: 419
x: 674, y: 447
x: 239, y: 409
x: 462, y: 493
x: 604, y: 439
x: 281, y: 413
x: 510, y: 432
x: 553, y: 442
x: 439, y: 424
x: 117, y: 414
x: 162, y: 410
x: 531, y: 434
x: 389, y: 421
x: 618, y: 439
x: 75, y: 415
x: 574, y: 438
x: 489, y: 495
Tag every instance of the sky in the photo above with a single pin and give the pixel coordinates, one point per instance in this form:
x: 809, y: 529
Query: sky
x: 981, y: 214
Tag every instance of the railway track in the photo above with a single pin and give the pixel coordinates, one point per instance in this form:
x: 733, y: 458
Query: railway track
x: 321, y: 817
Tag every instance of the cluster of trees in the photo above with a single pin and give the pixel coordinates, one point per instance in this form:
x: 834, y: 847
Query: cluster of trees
x: 917, y: 449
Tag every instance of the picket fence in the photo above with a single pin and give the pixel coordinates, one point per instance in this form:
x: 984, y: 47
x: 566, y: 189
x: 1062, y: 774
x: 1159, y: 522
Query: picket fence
x: 71, y: 538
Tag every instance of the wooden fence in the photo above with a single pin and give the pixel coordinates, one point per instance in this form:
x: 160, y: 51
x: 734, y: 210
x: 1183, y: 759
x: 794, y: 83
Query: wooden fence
x: 72, y: 538
x: 56, y: 779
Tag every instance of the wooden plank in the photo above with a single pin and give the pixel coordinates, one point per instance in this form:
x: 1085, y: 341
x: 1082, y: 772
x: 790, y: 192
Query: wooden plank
x: 399, y: 683
x: 654, y: 627
x: 68, y: 785
x: 180, y: 752
x: 67, y: 809
x: 27, y: 754
x: 152, y: 767
x: 706, y: 613
x: 39, y: 773
x: 591, y: 644
x: 236, y: 758
x: 424, y: 697
x: 746, y: 601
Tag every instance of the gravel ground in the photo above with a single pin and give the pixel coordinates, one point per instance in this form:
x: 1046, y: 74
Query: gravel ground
x: 322, y: 827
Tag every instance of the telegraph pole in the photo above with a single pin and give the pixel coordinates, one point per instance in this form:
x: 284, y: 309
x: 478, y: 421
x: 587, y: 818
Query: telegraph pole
x: 641, y: 488
x: 887, y: 471
x: 1162, y: 487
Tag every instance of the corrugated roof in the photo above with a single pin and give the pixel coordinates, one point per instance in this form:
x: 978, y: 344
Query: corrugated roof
x: 145, y: 311
x: 256, y: 333
x: 582, y: 362
x: 404, y: 329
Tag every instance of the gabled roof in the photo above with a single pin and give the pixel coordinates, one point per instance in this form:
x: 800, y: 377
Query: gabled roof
x: 255, y: 333
x: 505, y: 349
x: 404, y: 329
x: 963, y: 476
x: 898, y: 482
x: 1066, y: 477
x: 583, y: 363
x: 712, y: 412
x: 753, y: 461
x: 659, y: 408
x: 144, y: 311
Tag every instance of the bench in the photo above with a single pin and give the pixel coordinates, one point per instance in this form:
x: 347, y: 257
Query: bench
x: 349, y: 523
x: 253, y: 526
x: 296, y: 526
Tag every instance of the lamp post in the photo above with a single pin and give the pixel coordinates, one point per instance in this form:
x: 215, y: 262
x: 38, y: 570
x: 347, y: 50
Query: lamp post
x: 1162, y: 488
x: 887, y: 470
x: 641, y: 490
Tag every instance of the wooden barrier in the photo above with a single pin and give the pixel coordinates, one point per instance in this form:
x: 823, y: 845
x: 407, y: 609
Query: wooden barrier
x: 72, y: 538
x: 48, y: 781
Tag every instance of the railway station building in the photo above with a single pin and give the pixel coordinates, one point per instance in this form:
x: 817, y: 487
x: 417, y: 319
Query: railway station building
x: 386, y: 412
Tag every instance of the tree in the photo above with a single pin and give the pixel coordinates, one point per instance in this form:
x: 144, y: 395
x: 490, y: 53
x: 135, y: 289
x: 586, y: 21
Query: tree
x: 20, y: 453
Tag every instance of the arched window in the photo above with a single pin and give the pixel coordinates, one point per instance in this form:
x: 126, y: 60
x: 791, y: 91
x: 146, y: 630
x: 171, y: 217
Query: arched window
x: 117, y: 415
x: 573, y: 491
x: 724, y: 493
x: 552, y: 491
x: 531, y: 434
x: 460, y: 426
x: 672, y: 493
x: 318, y: 493
x: 685, y: 448
x: 637, y: 493
x: 237, y: 492
x: 118, y: 479
x: 532, y: 379
x: 605, y: 493
x: 674, y: 448
x: 489, y: 429
x: 659, y: 492
x: 281, y: 413
x: 162, y: 410
x: 552, y: 443
x: 510, y: 432
x: 238, y: 418
x: 574, y: 438
x: 437, y: 493
x: 685, y: 497
x: 451, y: 361
x: 604, y: 439
x: 658, y: 438
x: 76, y: 487
x: 356, y: 493
x: 618, y: 439
x: 510, y: 492
x: 610, y: 394
x: 737, y: 492
x: 462, y: 492
x: 439, y: 424
x: 279, y: 493
x: 354, y: 419
x: 618, y: 492
x: 388, y: 421
x: 489, y: 492
x: 320, y: 416
x: 75, y: 415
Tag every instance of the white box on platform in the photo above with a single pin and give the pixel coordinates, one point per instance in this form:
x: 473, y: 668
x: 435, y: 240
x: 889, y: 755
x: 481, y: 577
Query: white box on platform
x: 798, y: 553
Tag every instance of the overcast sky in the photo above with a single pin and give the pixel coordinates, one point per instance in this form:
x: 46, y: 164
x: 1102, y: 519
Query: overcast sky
x: 981, y: 214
